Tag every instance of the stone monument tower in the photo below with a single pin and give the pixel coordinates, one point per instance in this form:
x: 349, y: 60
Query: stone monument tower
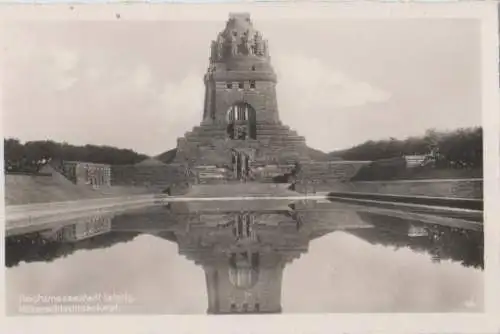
x: 241, y: 135
x: 244, y: 246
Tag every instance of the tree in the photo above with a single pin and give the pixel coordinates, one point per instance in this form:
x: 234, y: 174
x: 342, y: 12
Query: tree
x: 30, y: 156
x: 462, y: 148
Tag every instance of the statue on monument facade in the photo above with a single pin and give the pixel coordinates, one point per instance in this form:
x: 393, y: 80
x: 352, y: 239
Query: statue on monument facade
x: 258, y: 44
x: 266, y: 49
x: 213, y: 51
x: 220, y: 46
x: 211, y: 68
x: 240, y: 132
x: 249, y: 44
x: 234, y: 45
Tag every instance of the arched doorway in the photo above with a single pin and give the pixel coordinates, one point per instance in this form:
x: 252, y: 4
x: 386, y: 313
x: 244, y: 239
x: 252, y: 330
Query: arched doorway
x: 241, y: 119
x: 244, y: 269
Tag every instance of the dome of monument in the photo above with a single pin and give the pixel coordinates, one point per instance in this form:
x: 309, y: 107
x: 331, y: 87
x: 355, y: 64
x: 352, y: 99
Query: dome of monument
x: 239, y: 23
x: 239, y: 38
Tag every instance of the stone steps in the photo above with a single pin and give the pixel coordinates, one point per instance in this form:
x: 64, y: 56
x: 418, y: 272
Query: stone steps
x: 264, y: 132
x: 260, y: 134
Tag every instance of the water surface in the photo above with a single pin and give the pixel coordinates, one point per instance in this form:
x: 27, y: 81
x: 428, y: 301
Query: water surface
x: 194, y: 258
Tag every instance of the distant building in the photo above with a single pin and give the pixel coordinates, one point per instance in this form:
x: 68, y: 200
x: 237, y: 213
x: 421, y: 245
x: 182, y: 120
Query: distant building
x: 406, y: 161
x: 89, y: 173
x: 415, y: 160
x: 417, y: 231
x: 84, y: 229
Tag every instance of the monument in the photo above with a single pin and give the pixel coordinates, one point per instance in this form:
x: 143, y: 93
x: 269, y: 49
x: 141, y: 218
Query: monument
x: 241, y: 137
x: 244, y: 247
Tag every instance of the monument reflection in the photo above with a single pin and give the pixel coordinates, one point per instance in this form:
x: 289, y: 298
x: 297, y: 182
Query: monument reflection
x: 243, y: 246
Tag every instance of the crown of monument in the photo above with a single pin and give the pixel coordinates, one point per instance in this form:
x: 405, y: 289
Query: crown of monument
x: 239, y: 38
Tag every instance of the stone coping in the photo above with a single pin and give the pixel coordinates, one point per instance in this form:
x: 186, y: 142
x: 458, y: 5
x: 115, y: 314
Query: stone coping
x: 452, y: 202
x: 21, y: 218
x: 419, y: 181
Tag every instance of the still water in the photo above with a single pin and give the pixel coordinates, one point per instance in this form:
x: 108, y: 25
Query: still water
x: 248, y: 256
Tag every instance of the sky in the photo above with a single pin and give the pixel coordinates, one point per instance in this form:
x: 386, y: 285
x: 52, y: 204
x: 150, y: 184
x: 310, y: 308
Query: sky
x: 139, y: 84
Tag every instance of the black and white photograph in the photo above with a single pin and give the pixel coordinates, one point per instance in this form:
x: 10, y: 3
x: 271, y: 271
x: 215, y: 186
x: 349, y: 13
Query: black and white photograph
x: 245, y: 162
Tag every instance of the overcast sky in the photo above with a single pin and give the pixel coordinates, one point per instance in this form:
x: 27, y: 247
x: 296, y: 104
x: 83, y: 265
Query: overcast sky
x: 139, y: 84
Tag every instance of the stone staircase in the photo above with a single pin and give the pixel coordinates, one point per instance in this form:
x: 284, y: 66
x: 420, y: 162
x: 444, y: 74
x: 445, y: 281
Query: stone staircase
x: 239, y: 189
x: 269, y: 173
x: 206, y: 132
x: 208, y: 144
x: 207, y: 174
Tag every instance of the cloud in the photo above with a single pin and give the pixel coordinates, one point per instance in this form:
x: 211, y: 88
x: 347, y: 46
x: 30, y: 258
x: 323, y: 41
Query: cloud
x: 142, y: 77
x: 313, y: 98
x: 63, y: 68
x: 92, y: 73
x: 321, y: 86
x: 65, y: 82
x: 64, y: 59
x: 183, y: 102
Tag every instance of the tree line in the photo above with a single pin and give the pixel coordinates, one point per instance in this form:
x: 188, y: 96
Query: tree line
x: 34, y: 248
x: 30, y: 156
x: 461, y: 148
x: 440, y: 242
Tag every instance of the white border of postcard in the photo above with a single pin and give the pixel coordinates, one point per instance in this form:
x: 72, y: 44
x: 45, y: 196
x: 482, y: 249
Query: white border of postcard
x: 486, y: 322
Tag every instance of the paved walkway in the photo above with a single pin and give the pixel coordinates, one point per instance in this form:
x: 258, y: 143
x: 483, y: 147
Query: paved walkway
x: 40, y: 214
x: 35, y: 215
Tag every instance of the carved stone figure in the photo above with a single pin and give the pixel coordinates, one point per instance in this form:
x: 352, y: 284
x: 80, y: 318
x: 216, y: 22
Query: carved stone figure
x: 249, y: 44
x: 258, y: 44
x: 213, y: 51
x: 234, y: 45
x: 240, y: 132
x: 266, y: 49
x: 220, y: 46
x: 211, y: 68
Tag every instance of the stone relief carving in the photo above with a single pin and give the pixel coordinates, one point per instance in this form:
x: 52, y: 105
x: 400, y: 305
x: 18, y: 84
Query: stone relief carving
x: 240, y: 132
x: 249, y: 43
x: 211, y: 68
x: 213, y: 51
x: 259, y: 50
x: 228, y: 41
x: 220, y: 46
x: 234, y: 45
x: 265, y: 49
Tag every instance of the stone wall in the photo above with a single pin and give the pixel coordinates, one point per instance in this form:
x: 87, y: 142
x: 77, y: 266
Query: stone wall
x: 262, y: 99
x: 322, y: 176
x: 465, y: 188
x: 154, y: 177
x: 85, y: 173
